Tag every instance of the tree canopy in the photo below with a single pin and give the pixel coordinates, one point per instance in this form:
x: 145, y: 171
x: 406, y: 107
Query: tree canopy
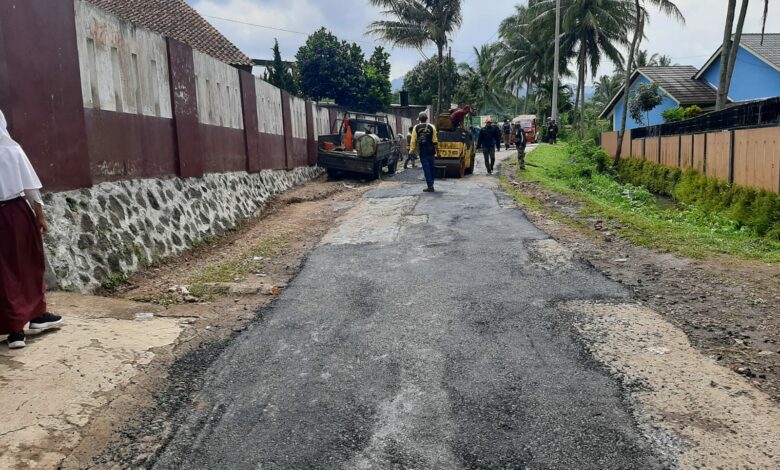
x: 279, y: 73
x: 330, y: 68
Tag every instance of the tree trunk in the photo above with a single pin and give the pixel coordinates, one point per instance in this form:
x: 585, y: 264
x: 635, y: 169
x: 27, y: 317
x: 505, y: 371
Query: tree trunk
x: 735, y: 48
x: 638, y: 33
x: 724, y: 56
x: 578, y: 104
x: 437, y: 108
x: 582, y: 101
x: 527, y: 96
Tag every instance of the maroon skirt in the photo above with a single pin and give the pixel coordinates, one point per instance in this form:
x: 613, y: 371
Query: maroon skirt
x: 22, y: 267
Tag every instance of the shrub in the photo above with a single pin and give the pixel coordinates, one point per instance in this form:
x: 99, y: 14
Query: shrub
x: 755, y: 209
x: 692, y: 112
x: 673, y: 114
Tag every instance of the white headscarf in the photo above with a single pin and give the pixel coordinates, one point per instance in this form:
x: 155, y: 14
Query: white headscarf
x: 16, y: 172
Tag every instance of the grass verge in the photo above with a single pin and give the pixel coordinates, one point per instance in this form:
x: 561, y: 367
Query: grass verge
x: 234, y: 270
x: 583, y: 174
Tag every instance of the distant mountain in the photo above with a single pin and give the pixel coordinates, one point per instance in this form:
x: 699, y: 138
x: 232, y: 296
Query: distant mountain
x: 397, y: 84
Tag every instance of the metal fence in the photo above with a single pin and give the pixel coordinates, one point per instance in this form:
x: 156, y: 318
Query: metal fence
x: 764, y: 113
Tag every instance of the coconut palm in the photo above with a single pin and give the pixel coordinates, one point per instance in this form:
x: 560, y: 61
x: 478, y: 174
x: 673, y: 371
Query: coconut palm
x: 525, y: 57
x: 606, y: 86
x: 593, y: 30
x: 417, y: 24
x: 640, y: 18
x: 489, y: 95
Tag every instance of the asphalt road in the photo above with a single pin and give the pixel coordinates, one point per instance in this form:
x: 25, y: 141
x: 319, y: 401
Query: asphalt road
x: 421, y: 334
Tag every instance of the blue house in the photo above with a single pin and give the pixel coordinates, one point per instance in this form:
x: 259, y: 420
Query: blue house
x: 756, y: 76
x: 756, y: 71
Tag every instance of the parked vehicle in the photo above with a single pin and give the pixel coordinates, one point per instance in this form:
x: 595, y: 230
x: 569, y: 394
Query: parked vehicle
x: 364, y: 144
x: 456, y: 148
x: 528, y: 121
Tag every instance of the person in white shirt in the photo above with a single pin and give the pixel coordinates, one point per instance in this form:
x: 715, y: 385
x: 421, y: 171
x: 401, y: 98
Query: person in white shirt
x: 22, y: 265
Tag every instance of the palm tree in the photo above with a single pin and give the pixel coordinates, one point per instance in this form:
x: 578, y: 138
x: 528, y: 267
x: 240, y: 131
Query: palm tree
x: 728, y: 53
x: 483, y: 73
x: 593, y: 30
x: 417, y: 24
x: 639, y: 13
x: 607, y: 86
x: 664, y: 61
x: 525, y: 58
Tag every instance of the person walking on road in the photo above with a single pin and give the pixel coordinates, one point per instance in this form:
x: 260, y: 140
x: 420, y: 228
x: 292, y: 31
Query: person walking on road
x: 553, y: 131
x: 426, y: 142
x: 506, y: 128
x: 22, y: 265
x: 409, y: 153
x: 520, y: 146
x: 489, y: 140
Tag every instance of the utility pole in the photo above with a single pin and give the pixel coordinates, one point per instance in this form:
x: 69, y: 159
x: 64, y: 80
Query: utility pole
x: 557, y: 60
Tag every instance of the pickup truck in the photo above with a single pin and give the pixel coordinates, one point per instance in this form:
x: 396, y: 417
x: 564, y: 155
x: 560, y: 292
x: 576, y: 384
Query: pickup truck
x: 374, y: 146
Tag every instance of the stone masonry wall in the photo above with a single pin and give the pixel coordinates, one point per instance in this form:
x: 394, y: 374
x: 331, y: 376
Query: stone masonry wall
x: 114, y: 229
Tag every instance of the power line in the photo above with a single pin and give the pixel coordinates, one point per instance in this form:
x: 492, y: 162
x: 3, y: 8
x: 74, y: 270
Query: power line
x: 373, y: 43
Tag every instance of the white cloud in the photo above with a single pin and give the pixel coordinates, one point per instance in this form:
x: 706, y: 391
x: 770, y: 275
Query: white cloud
x: 690, y: 44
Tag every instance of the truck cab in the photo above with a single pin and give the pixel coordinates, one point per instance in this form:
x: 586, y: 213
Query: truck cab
x: 360, y: 143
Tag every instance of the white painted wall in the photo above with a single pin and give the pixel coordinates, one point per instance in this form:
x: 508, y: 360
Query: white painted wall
x: 406, y: 123
x: 219, y: 92
x: 269, y: 108
x: 321, y: 120
x: 123, y: 68
x: 298, y: 117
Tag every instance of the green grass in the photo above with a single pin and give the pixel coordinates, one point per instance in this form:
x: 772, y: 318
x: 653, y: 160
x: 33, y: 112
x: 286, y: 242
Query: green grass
x: 583, y: 174
x: 233, y: 270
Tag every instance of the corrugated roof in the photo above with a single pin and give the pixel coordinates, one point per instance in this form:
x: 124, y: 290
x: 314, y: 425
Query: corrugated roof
x: 678, y: 82
x: 176, y: 19
x: 769, y: 50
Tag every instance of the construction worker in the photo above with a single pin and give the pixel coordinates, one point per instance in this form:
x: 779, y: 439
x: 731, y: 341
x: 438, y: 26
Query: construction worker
x: 409, y: 153
x: 506, y: 128
x: 458, y: 115
x: 489, y: 140
x: 426, y: 142
x: 552, y: 131
x: 520, y: 146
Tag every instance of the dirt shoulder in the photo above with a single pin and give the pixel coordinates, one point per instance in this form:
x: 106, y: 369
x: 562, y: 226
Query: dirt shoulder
x: 728, y: 308
x: 127, y: 359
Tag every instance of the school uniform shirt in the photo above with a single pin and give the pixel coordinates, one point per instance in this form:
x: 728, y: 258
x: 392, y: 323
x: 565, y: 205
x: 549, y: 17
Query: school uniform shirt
x: 17, y: 176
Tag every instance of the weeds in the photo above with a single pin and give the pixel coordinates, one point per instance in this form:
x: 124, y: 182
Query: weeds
x: 707, y: 217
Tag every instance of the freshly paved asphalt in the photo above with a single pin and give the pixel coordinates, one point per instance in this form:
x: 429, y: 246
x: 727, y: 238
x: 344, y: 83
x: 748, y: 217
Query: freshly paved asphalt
x: 430, y: 342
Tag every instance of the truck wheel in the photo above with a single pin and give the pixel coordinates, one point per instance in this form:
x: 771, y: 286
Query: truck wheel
x: 377, y: 171
x: 470, y: 169
x: 461, y: 168
x: 392, y: 167
x: 332, y: 173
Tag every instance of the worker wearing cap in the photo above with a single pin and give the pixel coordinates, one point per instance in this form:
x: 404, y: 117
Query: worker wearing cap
x: 426, y: 142
x: 489, y: 139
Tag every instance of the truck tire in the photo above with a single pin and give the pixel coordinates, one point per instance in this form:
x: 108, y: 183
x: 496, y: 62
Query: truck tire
x: 461, y: 169
x: 332, y: 173
x: 470, y: 169
x: 377, y: 171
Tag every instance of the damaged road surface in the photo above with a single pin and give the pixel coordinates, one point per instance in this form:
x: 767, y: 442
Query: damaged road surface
x: 426, y: 331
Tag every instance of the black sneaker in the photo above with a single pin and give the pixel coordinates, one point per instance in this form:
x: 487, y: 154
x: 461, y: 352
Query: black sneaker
x: 16, y: 341
x: 46, y: 321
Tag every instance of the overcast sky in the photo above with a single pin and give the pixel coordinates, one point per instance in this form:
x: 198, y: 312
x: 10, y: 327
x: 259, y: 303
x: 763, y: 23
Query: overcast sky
x: 691, y: 44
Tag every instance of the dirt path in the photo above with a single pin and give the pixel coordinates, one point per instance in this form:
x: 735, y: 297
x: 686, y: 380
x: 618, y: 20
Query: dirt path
x: 118, y: 363
x: 730, y: 309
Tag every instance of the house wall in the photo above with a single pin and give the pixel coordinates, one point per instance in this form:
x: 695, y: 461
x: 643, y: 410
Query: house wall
x: 656, y: 115
x: 753, y: 78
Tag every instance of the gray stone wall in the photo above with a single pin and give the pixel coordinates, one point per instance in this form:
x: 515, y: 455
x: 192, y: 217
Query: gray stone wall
x: 113, y: 229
